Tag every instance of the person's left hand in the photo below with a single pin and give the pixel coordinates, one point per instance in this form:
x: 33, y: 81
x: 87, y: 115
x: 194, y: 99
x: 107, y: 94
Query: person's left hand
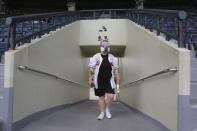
x: 117, y: 88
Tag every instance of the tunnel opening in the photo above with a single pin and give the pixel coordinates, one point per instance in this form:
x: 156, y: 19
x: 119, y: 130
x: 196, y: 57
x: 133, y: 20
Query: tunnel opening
x: 64, y: 55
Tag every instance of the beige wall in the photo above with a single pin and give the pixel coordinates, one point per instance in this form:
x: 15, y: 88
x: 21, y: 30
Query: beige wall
x: 59, y: 54
x: 147, y: 54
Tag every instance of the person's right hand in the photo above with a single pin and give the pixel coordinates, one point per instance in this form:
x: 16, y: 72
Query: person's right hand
x: 90, y: 81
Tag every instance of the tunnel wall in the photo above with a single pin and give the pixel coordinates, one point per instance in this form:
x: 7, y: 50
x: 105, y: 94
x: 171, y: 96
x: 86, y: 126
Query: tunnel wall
x: 147, y: 54
x: 57, y: 53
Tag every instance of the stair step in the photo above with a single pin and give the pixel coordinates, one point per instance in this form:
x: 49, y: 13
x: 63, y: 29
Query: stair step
x: 193, y: 89
x: 193, y: 60
x: 194, y: 107
x: 193, y: 101
x: 193, y: 65
x: 1, y: 98
x: 193, y: 54
x: 194, y: 117
x: 193, y: 69
x: 194, y: 74
x: 1, y: 94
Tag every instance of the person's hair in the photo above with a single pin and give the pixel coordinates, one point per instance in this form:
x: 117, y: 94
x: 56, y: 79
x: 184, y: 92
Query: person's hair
x: 104, y: 41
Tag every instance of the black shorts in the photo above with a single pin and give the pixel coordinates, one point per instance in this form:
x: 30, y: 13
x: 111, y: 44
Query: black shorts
x: 102, y: 91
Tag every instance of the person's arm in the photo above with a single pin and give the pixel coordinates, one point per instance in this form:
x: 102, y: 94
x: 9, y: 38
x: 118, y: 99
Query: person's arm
x: 91, y: 72
x: 116, y: 73
x: 117, y: 77
x: 91, y: 66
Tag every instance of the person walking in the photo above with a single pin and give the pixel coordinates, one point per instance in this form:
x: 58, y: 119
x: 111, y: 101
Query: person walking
x: 103, y: 66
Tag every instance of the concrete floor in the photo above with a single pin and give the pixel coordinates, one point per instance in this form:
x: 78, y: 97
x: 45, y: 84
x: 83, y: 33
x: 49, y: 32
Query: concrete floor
x: 83, y: 117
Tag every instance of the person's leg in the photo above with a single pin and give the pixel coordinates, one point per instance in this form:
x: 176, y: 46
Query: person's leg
x: 110, y: 98
x: 101, y: 103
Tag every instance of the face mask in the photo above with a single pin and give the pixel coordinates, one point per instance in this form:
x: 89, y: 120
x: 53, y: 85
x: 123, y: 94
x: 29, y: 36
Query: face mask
x: 102, y: 49
x: 107, y: 49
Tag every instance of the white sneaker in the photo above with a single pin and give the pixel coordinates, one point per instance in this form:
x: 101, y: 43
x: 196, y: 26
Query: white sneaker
x: 101, y: 116
x: 108, y: 114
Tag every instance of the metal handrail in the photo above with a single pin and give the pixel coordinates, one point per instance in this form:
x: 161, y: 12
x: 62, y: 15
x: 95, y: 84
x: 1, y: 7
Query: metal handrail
x: 173, y: 13
x: 71, y: 16
x: 20, y: 67
x: 149, y: 11
x: 17, y: 19
x: 153, y: 75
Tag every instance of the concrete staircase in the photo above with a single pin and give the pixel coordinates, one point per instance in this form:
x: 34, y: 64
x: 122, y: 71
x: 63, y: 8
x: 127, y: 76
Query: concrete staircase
x: 1, y: 95
x: 193, y: 96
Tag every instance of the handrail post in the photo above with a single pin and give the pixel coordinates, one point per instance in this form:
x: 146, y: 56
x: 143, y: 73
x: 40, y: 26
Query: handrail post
x: 12, y: 36
x: 8, y: 43
x: 158, y: 25
x: 11, y: 33
x: 181, y: 28
x: 94, y: 14
x: 180, y: 34
x: 40, y: 28
x: 54, y: 21
x: 32, y: 27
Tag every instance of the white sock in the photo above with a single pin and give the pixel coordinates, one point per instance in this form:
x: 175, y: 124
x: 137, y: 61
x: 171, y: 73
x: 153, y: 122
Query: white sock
x: 107, y: 109
x: 108, y: 114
